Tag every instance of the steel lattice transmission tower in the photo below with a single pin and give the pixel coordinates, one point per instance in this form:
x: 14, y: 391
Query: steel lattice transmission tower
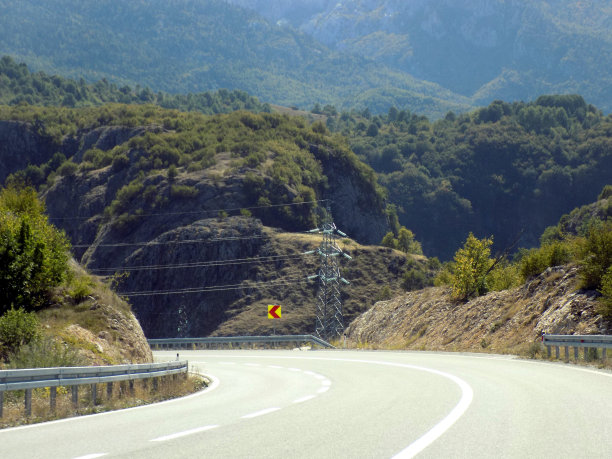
x: 329, y: 320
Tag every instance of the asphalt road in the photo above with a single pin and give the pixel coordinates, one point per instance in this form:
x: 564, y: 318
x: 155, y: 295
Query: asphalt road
x: 336, y: 404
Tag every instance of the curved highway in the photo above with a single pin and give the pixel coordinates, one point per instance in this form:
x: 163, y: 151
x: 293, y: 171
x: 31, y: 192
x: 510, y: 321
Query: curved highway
x: 349, y: 404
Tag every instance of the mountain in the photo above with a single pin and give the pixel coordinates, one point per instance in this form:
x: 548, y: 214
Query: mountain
x: 505, y: 170
x: 206, y: 214
x: 202, y: 45
x: 484, y: 50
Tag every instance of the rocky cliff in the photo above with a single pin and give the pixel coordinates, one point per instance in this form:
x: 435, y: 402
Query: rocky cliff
x: 506, y: 321
x: 198, y: 262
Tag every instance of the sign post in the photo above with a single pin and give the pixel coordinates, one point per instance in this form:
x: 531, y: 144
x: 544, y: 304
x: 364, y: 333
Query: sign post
x: 274, y: 312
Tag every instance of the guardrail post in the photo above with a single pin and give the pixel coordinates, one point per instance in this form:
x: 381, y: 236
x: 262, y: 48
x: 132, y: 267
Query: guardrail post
x: 75, y: 396
x: 567, y: 357
x: 109, y: 390
x: 28, y: 402
x: 52, y: 398
x: 1, y: 401
x: 575, y: 353
x: 155, y: 384
x: 131, y: 386
x: 603, y: 356
x: 585, y: 351
x: 548, y: 352
x: 94, y: 394
x: 557, y: 352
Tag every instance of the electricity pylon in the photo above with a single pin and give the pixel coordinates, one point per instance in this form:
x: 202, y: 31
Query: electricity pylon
x: 329, y: 321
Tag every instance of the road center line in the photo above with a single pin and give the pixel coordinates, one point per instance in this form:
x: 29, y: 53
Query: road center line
x: 92, y: 456
x: 184, y: 433
x: 304, y: 399
x: 260, y: 413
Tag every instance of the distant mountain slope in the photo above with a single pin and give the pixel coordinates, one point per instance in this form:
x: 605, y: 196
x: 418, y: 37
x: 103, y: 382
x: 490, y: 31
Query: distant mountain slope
x: 192, y: 46
x: 19, y: 85
x: 498, y: 49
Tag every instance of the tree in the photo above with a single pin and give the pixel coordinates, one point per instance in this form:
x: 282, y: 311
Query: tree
x: 472, y: 264
x: 17, y: 327
x: 597, y: 255
x: 33, y: 253
x: 406, y: 242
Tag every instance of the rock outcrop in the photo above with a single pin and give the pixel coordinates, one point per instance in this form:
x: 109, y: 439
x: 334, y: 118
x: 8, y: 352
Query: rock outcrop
x: 503, y: 321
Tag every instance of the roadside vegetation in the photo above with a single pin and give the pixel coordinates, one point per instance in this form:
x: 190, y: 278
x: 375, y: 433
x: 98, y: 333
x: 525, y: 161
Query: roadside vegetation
x: 473, y: 272
x: 122, y: 397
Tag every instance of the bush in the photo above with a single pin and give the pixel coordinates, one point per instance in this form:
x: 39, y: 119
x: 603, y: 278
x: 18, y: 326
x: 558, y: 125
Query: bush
x: 67, y: 169
x: 535, y: 261
x: 597, y: 255
x: 472, y: 263
x: 606, y: 292
x: 17, y: 327
x: 33, y: 254
x: 45, y: 353
x: 183, y: 192
x: 120, y: 162
x: 414, y: 279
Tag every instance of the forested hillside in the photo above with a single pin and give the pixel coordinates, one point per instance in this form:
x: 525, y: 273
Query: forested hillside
x: 202, y: 45
x: 19, y: 85
x: 498, y: 49
x: 505, y: 170
x: 194, y: 207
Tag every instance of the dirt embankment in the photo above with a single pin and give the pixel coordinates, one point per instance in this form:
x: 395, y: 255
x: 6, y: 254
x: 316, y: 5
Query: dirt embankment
x: 506, y: 321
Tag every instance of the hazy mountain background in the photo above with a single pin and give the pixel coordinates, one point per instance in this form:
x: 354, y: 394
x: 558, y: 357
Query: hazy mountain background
x: 484, y: 50
x: 200, y: 45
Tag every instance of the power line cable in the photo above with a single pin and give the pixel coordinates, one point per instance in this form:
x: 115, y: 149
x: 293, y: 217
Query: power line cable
x: 219, y: 288
x: 185, y: 241
x: 203, y: 211
x: 200, y: 264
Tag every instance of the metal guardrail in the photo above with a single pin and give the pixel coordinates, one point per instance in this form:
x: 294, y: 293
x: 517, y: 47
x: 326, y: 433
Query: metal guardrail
x: 230, y: 340
x: 576, y: 341
x: 28, y: 379
x: 69, y: 376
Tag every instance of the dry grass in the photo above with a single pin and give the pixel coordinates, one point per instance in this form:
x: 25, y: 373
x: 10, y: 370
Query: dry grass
x: 122, y: 397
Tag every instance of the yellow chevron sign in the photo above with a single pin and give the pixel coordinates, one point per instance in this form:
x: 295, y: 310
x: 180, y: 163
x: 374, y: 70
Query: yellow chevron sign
x: 274, y: 311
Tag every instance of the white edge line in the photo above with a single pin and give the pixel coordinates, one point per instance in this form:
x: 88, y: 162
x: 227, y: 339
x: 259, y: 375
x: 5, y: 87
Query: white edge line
x: 467, y: 394
x: 92, y: 456
x: 185, y: 433
x: 215, y: 383
x: 323, y: 390
x: 260, y: 413
x: 304, y: 399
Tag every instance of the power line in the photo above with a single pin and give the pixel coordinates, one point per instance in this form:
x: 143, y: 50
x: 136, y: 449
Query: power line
x: 203, y: 211
x: 218, y: 288
x: 185, y: 241
x: 200, y: 264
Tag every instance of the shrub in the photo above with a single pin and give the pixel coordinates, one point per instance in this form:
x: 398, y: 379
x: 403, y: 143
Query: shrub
x: 44, y: 353
x: 504, y: 277
x: 414, y: 279
x: 597, y: 255
x: 33, y: 254
x: 535, y: 261
x: 606, y: 292
x: 80, y: 287
x: 17, y: 327
x: 183, y: 191
x: 120, y: 162
x: 67, y: 169
x: 472, y: 263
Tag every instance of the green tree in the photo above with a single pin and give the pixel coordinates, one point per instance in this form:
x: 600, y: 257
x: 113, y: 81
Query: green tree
x: 597, y: 255
x: 606, y: 292
x: 17, y: 327
x: 33, y: 254
x: 406, y: 242
x: 472, y: 265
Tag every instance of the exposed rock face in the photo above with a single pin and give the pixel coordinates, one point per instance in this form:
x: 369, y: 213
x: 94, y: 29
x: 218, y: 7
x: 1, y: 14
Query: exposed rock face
x: 21, y: 145
x: 499, y: 321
